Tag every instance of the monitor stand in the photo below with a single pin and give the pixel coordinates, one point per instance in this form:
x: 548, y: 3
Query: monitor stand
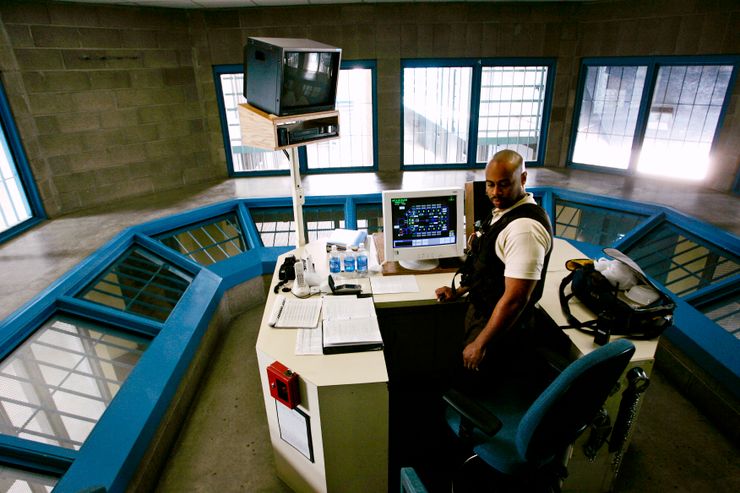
x: 428, y: 264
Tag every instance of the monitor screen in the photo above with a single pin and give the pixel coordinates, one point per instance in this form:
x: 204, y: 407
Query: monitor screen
x: 307, y: 79
x: 420, y: 227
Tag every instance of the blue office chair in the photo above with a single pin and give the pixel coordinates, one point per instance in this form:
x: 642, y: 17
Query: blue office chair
x: 525, y: 437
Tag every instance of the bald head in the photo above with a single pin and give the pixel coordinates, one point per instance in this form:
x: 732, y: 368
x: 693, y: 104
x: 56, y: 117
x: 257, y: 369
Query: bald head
x: 512, y: 160
x: 505, y: 178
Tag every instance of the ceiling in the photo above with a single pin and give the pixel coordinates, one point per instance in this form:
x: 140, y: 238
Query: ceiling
x: 218, y: 4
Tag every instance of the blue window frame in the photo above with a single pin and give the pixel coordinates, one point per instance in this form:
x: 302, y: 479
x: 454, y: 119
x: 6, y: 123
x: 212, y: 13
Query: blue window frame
x: 355, y: 150
x: 658, y: 115
x: 20, y: 204
x: 458, y: 113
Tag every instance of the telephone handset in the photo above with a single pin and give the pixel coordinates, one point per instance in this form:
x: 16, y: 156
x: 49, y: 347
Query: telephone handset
x: 300, y: 287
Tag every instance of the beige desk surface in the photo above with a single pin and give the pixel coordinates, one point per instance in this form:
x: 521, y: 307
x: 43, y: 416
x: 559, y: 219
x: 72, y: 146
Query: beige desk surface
x: 321, y: 370
x: 550, y: 302
x: 368, y: 367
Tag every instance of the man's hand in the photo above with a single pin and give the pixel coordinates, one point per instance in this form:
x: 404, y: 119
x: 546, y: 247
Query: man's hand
x: 473, y: 354
x: 445, y: 293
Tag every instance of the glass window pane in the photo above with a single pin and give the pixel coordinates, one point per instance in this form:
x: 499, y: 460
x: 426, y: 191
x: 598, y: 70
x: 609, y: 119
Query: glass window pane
x: 681, y: 262
x: 510, y: 116
x: 436, y: 115
x: 14, y: 208
x: 55, y: 386
x: 354, y: 148
x: 14, y: 479
x: 276, y: 225
x: 369, y: 218
x: 608, y: 117
x: 595, y: 225
x: 140, y: 283
x: 684, y: 114
x: 322, y: 220
x: 245, y: 158
x: 208, y: 242
x: 725, y: 312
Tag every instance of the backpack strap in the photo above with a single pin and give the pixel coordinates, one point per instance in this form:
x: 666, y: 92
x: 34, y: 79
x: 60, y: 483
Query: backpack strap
x: 573, y: 322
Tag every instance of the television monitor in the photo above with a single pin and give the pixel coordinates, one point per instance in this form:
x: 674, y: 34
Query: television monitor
x: 287, y: 76
x: 422, y: 226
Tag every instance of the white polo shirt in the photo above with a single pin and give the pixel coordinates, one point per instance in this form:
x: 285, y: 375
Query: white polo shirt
x: 523, y: 244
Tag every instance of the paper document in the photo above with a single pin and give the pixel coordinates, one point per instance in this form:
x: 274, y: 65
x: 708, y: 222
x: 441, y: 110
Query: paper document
x: 394, y: 284
x: 308, y: 341
x: 295, y: 312
x: 350, y: 324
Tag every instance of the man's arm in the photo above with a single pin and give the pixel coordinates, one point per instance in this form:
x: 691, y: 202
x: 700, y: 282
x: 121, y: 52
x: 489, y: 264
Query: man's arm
x: 506, y: 312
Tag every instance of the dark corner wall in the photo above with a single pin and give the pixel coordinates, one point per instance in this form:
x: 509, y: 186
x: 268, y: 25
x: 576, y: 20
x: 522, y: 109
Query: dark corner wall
x: 113, y: 102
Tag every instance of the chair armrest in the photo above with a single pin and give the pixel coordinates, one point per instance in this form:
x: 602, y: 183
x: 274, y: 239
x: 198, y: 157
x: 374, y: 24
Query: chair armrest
x: 472, y: 412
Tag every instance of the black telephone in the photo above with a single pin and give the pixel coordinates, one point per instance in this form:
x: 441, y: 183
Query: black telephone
x: 287, y: 270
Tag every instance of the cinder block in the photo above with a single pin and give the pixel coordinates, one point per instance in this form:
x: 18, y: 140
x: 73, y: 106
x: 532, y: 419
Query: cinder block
x: 19, y: 35
x: 88, y: 161
x: 59, y: 165
x: 102, y: 100
x: 119, y: 118
x: 146, y: 78
x: 67, y: 14
x: 55, y: 37
x: 111, y: 176
x: 128, y: 153
x: 55, y: 80
x: 178, y: 76
x: 46, y: 125
x: 138, y: 38
x: 83, y: 59
x: 109, y: 79
x: 25, y: 13
x: 75, y: 182
x: 160, y: 59
x: 78, y: 122
x: 58, y: 144
x: 174, y: 39
x: 38, y: 59
x: 100, y: 38
x: 174, y: 128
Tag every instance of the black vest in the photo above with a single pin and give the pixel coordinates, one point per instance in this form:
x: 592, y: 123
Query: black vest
x: 483, y: 274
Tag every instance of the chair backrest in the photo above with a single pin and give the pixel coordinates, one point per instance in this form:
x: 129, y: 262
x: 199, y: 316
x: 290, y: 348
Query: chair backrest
x: 571, y: 401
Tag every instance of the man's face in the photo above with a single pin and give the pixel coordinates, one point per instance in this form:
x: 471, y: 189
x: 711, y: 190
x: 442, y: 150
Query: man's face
x: 504, y: 185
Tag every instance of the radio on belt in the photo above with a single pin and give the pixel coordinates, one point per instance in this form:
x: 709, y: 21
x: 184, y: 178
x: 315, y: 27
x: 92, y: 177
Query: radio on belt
x: 283, y: 384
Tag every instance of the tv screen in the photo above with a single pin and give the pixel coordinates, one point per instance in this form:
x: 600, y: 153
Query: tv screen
x: 422, y: 226
x: 286, y: 76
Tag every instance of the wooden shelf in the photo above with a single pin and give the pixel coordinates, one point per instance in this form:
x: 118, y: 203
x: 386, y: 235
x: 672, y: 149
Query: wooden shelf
x: 260, y: 129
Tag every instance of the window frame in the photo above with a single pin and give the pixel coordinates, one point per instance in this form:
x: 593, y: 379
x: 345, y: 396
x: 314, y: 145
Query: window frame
x: 653, y: 64
x: 477, y: 65
x: 25, y: 175
x: 219, y: 70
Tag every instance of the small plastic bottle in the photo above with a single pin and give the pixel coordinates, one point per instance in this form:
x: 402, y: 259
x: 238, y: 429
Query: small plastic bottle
x: 362, y: 261
x: 335, y: 263
x: 350, y: 263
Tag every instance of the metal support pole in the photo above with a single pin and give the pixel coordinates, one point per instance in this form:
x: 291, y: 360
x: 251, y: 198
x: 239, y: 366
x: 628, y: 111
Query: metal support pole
x: 298, y: 198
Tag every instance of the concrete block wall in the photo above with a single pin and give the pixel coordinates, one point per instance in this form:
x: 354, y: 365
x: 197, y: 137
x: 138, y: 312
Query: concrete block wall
x: 114, y: 102
x: 105, y: 99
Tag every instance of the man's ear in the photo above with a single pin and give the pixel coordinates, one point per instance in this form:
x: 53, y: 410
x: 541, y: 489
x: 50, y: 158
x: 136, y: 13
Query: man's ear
x: 524, y: 177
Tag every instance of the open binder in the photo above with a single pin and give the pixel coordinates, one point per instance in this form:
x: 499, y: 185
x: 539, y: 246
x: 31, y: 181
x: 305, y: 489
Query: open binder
x: 349, y: 325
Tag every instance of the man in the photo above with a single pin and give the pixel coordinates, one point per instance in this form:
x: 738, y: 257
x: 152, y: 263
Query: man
x: 505, y: 275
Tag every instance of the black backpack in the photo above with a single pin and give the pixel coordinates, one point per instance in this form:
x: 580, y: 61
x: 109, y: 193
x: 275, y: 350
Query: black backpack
x: 615, y: 315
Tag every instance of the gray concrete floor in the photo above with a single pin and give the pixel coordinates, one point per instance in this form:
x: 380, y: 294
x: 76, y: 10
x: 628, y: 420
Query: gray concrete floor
x: 224, y: 445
